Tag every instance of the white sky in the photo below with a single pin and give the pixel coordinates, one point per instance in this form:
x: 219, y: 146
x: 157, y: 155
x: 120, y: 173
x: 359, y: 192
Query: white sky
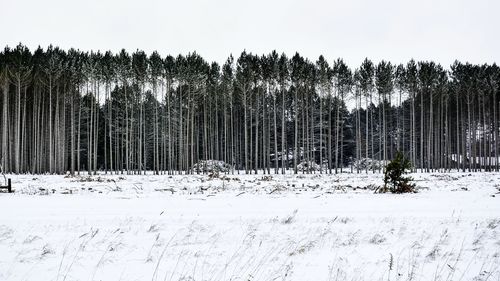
x: 395, y: 30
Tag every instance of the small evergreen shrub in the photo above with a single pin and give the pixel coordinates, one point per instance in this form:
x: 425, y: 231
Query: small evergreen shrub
x: 395, y: 180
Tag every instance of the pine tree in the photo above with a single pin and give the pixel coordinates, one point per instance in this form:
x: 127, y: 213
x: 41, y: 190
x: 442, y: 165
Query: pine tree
x: 395, y: 180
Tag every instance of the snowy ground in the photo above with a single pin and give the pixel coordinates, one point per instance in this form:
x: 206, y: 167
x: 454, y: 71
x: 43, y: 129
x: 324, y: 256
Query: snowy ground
x: 248, y: 227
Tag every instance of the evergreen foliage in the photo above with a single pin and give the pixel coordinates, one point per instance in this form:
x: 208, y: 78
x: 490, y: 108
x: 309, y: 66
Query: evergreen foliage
x: 395, y: 180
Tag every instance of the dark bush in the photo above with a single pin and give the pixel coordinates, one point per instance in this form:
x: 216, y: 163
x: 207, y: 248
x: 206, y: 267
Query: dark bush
x: 395, y: 180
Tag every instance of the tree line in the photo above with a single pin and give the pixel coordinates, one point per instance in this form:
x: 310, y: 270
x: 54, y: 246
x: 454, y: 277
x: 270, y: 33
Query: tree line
x: 71, y: 111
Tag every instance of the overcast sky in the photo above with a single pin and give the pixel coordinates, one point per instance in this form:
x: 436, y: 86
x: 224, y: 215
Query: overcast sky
x: 394, y: 30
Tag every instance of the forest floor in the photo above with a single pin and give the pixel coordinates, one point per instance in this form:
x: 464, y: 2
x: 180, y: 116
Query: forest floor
x: 250, y: 227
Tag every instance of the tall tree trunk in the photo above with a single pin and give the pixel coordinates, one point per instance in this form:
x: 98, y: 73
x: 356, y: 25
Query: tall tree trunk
x: 296, y: 135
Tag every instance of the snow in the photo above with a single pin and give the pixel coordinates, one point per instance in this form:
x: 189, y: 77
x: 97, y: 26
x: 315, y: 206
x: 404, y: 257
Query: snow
x: 250, y: 227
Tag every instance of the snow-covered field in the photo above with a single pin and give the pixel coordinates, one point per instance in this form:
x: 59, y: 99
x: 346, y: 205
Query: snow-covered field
x: 250, y: 227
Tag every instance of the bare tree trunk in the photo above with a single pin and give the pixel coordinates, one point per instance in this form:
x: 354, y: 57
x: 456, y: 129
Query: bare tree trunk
x: 367, y: 145
x: 337, y: 133
x: 283, y: 134
x: 79, y: 135
x: 429, y: 137
x: 329, y: 133
x: 72, y: 153
x: 245, y: 128
x: 110, y: 129
x: 421, y: 131
x: 51, y: 170
x: 469, y: 125
x: 296, y: 136
x: 341, y: 136
x: 5, y: 125
x: 96, y: 129
x: 256, y: 159
x: 320, y: 100
x: 276, y: 162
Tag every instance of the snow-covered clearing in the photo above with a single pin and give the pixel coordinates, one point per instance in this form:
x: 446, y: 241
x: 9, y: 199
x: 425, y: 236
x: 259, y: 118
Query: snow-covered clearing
x: 250, y: 227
